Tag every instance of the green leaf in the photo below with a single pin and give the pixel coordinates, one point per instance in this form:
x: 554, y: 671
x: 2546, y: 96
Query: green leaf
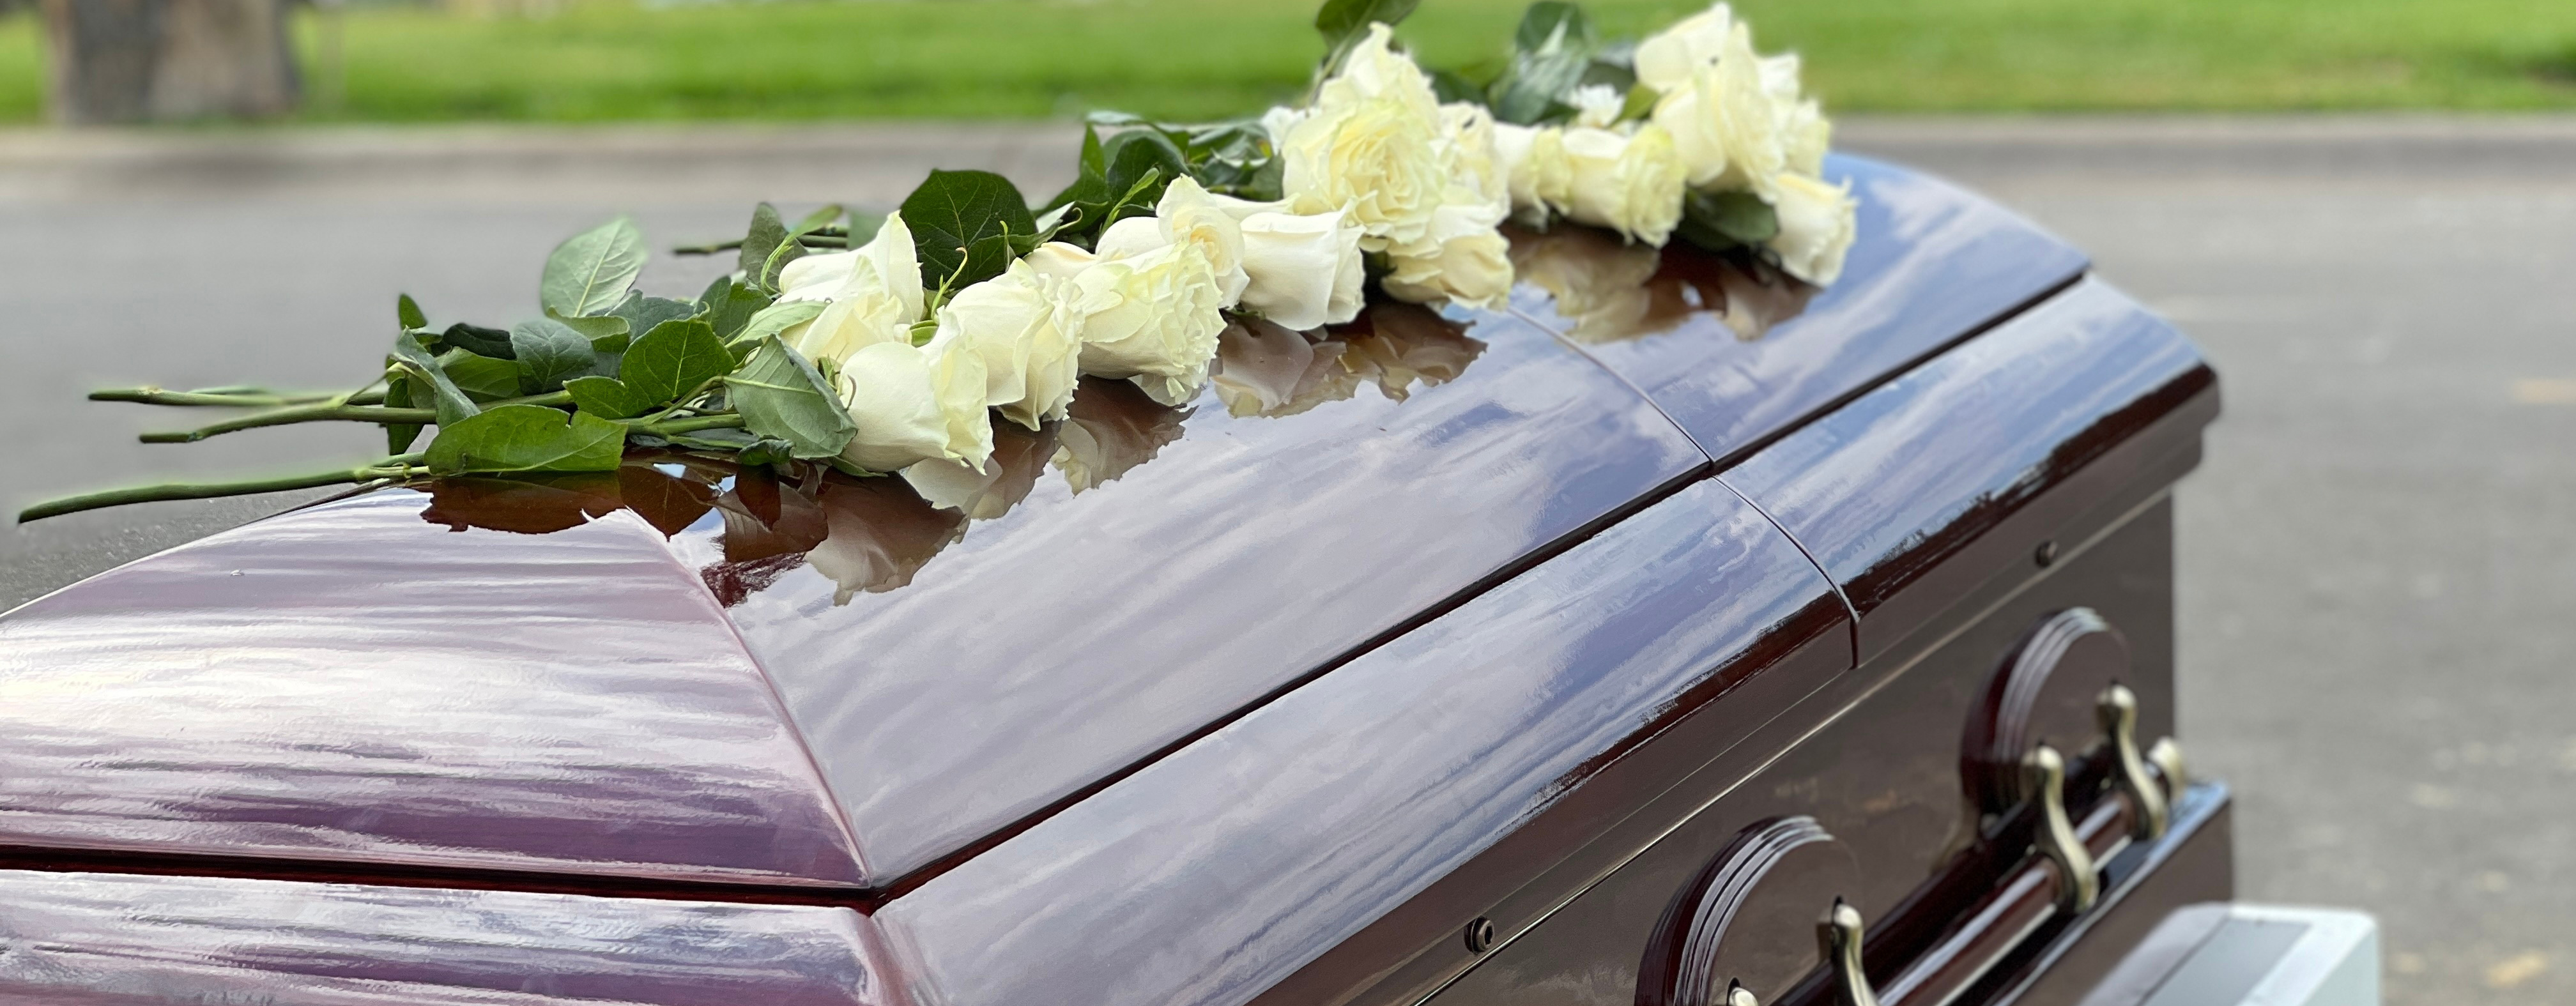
x: 767, y: 232
x: 863, y: 226
x: 1094, y: 161
x: 607, y: 333
x: 777, y: 318
x: 1551, y: 51
x: 1718, y: 221
x: 1343, y: 23
x: 548, y: 352
x: 407, y: 312
x: 399, y: 436
x: 1137, y: 156
x: 1450, y: 86
x: 962, y: 222
x: 674, y: 359
x: 476, y: 339
x: 782, y: 397
x: 729, y: 305
x: 817, y: 220
x: 527, y: 438
x: 482, y: 378
x: 415, y: 361
x: 606, y: 397
x: 590, y: 272
x: 644, y: 313
x: 1552, y: 24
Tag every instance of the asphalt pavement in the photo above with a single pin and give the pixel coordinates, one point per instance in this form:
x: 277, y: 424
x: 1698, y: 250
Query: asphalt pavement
x: 2378, y: 560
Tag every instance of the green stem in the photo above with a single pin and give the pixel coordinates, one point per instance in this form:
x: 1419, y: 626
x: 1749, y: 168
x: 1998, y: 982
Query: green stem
x: 320, y: 412
x: 245, y: 398
x: 329, y: 411
x: 691, y: 425
x: 397, y: 466
x: 831, y: 237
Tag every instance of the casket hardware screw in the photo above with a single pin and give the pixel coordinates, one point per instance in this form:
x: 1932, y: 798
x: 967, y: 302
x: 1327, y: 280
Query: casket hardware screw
x: 1480, y: 935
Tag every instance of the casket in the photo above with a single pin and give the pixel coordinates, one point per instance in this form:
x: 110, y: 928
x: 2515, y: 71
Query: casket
x: 1677, y: 634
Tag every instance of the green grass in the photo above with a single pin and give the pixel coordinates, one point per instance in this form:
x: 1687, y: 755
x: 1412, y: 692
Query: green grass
x: 607, y: 60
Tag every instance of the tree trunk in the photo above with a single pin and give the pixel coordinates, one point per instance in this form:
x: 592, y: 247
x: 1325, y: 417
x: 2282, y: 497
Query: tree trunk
x: 166, y: 60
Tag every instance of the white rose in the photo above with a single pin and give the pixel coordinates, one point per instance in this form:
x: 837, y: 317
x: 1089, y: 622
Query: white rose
x: 1157, y: 314
x: 874, y: 292
x: 1305, y: 268
x: 1631, y: 184
x: 1804, y: 132
x: 1302, y: 269
x: 1597, y: 105
x: 1541, y: 179
x: 1817, y: 224
x: 1466, y: 260
x: 1027, y: 328
x: 1189, y: 213
x: 1373, y: 144
x: 913, y: 404
x: 1724, y: 123
x: 1667, y: 59
x: 1477, y: 172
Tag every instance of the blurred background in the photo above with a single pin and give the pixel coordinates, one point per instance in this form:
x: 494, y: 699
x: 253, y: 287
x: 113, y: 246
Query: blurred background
x: 2365, y: 210
x: 624, y: 60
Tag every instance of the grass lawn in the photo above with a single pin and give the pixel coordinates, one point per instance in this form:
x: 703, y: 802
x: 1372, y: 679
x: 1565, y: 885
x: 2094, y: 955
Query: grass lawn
x: 608, y: 60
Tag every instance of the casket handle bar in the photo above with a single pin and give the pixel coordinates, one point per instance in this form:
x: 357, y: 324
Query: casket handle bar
x: 2117, y: 710
x: 2064, y: 868
x: 1838, y: 942
x: 2079, y: 883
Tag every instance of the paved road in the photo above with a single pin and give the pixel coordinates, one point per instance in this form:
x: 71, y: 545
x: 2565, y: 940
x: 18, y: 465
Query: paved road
x: 2378, y: 559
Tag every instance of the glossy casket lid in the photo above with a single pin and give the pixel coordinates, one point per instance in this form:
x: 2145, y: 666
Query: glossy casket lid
x: 354, y: 683
x: 1077, y: 635
x: 350, y: 683
x: 1933, y: 264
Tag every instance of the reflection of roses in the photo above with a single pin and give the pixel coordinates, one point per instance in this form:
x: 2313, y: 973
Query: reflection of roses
x: 881, y: 533
x: 1405, y: 344
x: 1270, y: 370
x: 1113, y: 428
x: 1599, y: 282
x: 1609, y: 291
x: 1018, y: 457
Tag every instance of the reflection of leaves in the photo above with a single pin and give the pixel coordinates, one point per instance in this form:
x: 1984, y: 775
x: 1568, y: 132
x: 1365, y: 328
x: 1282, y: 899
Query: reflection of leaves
x: 764, y: 518
x: 1113, y: 427
x: 668, y: 502
x: 524, y: 505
